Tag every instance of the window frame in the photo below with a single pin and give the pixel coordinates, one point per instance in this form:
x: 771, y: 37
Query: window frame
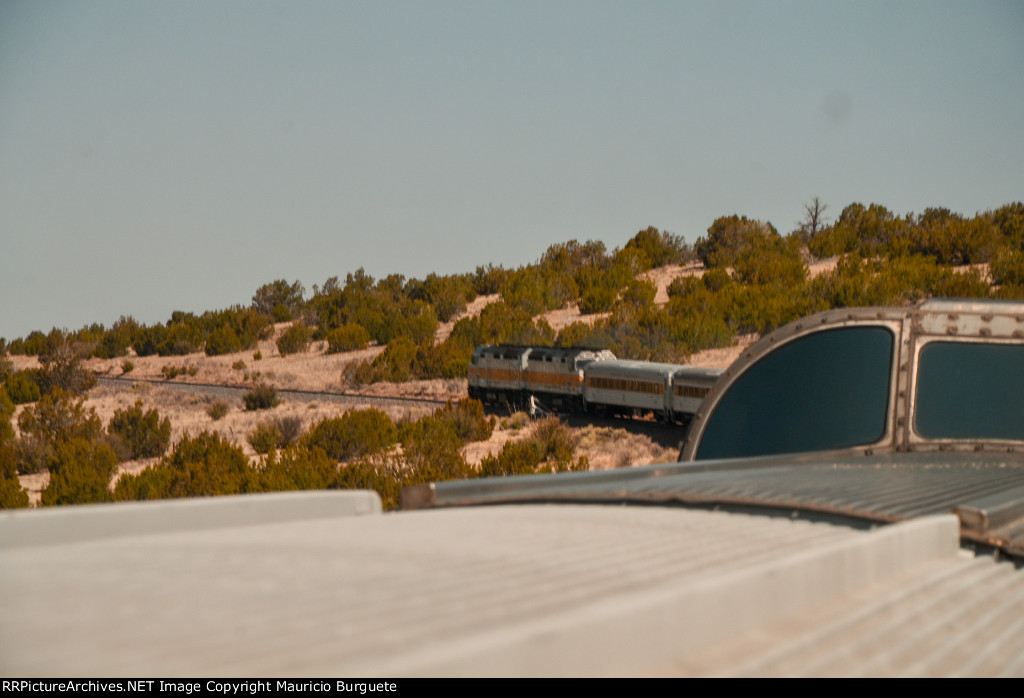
x: 917, y: 441
x: 895, y: 324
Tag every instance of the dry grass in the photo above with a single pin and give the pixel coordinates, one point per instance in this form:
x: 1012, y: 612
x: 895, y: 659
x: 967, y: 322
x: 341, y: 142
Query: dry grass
x: 608, y: 448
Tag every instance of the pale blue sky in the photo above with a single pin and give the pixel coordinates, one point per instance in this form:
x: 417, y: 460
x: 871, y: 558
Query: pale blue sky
x: 176, y: 155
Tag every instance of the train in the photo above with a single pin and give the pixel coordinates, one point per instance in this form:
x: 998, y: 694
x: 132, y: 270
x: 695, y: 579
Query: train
x: 579, y: 380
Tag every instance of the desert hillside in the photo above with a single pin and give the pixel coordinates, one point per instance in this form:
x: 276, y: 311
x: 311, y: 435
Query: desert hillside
x: 188, y: 408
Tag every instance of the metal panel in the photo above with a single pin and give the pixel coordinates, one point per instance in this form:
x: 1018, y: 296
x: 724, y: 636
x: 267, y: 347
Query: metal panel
x: 508, y: 591
x: 894, y: 319
x: 883, y: 488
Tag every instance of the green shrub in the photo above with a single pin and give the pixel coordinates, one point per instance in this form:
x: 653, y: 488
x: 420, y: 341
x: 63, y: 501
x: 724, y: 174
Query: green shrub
x: 432, y: 451
x: 12, y: 494
x: 396, y: 362
x: 431, y: 455
x: 22, y: 387
x: 275, y: 434
x: 280, y: 313
x: 257, y: 356
x: 549, y: 449
x: 116, y: 341
x: 223, y: 340
x: 714, y: 280
x: 266, y: 437
x: 294, y: 340
x: 32, y: 345
x: 127, y: 367
x: 61, y: 366
x: 598, y: 298
x: 144, y: 433
x: 658, y: 248
x: 203, y: 466
x: 467, y: 419
x: 154, y: 482
x: 348, y: 337
x: 261, y: 397
x: 383, y: 309
x: 488, y: 280
x: 121, y: 449
x: 33, y: 454
x: 730, y: 238
x: 217, y: 410
x: 6, y: 412
x: 448, y: 295
x: 238, y: 365
x: 296, y: 468
x: 555, y: 441
x: 383, y: 474
x: 515, y: 458
x: 355, y: 434
x: 58, y: 417
x: 1007, y: 268
x: 80, y: 473
x: 279, y: 294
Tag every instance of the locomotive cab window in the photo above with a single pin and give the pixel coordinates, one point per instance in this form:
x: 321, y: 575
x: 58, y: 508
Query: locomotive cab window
x: 822, y: 391
x: 970, y: 390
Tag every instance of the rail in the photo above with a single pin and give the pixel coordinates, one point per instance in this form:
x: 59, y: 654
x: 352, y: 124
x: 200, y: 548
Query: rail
x: 290, y: 393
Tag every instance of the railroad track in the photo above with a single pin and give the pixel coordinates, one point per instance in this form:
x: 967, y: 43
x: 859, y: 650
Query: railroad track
x: 232, y: 391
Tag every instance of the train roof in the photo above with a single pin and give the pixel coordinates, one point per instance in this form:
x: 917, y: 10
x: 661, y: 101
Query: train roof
x: 541, y: 353
x: 627, y: 367
x: 324, y: 584
x: 501, y: 351
x: 517, y: 351
x: 697, y: 373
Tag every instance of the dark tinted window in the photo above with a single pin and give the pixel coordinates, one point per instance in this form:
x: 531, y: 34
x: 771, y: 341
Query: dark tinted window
x: 970, y: 391
x: 823, y: 391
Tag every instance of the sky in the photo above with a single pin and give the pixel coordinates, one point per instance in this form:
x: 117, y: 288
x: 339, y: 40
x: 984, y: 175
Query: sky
x: 176, y: 155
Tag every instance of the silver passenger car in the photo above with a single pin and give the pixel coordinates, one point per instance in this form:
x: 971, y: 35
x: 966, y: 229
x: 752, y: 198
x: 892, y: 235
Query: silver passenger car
x: 690, y: 385
x: 629, y: 388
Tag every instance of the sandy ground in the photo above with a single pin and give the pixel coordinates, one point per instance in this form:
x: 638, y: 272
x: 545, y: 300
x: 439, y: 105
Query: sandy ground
x: 563, y: 317
x: 664, y: 276
x: 472, y: 310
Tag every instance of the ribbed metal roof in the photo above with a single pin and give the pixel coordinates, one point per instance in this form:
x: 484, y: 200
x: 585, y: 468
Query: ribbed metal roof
x: 985, y: 489
x: 302, y: 584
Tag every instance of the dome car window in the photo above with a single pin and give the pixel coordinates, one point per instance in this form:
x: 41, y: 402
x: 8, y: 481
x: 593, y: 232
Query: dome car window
x: 822, y: 391
x: 970, y: 391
